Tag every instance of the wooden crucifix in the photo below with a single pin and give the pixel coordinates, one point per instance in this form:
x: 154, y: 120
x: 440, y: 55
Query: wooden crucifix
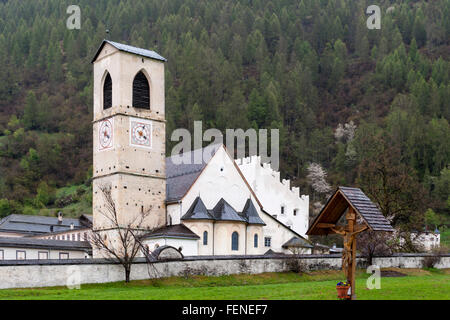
x: 356, y: 204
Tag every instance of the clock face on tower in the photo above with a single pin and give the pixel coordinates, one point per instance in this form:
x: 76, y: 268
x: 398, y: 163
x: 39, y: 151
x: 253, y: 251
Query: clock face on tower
x: 140, y: 133
x: 105, y: 134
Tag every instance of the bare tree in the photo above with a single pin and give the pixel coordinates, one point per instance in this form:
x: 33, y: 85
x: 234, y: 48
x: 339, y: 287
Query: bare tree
x: 121, y: 242
x: 374, y: 243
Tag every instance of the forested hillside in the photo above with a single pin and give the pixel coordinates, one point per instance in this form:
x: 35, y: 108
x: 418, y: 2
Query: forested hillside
x: 369, y: 108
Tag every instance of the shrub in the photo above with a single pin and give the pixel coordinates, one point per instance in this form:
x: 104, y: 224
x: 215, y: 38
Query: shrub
x: 295, y: 264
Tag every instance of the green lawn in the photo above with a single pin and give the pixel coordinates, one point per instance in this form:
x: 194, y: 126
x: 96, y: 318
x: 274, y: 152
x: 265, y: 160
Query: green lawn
x: 418, y: 284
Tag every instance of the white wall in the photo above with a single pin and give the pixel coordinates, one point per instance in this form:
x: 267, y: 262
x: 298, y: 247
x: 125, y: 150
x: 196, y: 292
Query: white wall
x: 274, y: 194
x: 10, y: 253
x: 279, y: 235
x: 189, y: 246
x: 221, y: 179
x: 47, y: 274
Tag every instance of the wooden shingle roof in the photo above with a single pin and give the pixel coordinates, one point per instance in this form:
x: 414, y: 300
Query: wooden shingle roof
x: 339, y: 202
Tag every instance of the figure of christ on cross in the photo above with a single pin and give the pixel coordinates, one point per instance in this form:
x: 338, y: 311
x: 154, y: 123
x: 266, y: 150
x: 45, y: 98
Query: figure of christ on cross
x: 349, y: 253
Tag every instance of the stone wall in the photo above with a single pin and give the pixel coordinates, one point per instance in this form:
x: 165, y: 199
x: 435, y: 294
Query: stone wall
x: 42, y: 273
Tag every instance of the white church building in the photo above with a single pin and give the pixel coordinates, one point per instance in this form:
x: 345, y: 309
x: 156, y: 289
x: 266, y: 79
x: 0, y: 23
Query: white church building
x: 218, y: 206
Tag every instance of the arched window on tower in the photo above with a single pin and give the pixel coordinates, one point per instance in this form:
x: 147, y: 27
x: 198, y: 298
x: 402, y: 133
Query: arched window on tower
x: 235, y: 241
x: 255, y: 240
x: 107, y: 92
x: 141, y: 92
x: 205, y: 238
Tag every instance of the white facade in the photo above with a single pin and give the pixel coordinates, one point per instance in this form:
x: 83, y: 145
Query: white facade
x: 189, y: 247
x: 21, y: 253
x: 428, y: 240
x: 221, y: 178
x: 277, y: 197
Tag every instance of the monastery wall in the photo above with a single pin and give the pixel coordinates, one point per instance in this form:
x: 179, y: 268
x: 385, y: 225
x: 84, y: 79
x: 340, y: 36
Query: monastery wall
x: 44, y: 273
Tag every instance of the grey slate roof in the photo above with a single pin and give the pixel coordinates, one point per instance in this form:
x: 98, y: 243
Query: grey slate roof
x: 173, y: 231
x: 224, y: 212
x: 339, y: 202
x: 126, y: 48
x: 34, y: 225
x: 197, y: 211
x: 17, y: 242
x: 180, y: 176
x: 297, y: 243
x: 250, y: 214
x: 367, y: 209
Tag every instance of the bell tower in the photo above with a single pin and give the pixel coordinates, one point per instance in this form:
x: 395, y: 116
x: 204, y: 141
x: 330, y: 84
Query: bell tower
x: 129, y: 134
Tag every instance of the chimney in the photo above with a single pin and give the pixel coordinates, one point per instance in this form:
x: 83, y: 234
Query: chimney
x: 71, y: 226
x: 60, y: 217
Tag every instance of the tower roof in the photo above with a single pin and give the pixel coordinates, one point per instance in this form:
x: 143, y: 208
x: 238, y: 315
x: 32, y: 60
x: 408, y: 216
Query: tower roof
x: 223, y: 211
x: 197, y: 211
x: 130, y: 49
x: 250, y: 214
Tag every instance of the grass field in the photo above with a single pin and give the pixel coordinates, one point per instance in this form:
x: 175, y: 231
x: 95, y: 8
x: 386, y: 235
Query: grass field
x: 418, y: 284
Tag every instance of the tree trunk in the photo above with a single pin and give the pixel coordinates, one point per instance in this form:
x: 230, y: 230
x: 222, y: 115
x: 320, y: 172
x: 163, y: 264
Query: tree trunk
x: 127, y: 273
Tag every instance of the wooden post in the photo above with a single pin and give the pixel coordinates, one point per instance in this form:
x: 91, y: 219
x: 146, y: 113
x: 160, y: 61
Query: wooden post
x: 351, y: 270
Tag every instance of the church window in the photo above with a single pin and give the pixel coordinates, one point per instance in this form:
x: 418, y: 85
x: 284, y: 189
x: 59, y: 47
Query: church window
x: 107, y: 92
x: 282, y: 209
x: 255, y: 240
x: 295, y: 212
x: 205, y: 238
x: 235, y: 241
x: 267, y: 241
x: 141, y: 92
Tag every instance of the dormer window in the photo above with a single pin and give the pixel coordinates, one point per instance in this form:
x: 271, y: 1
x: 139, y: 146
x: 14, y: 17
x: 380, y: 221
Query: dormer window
x: 141, y: 92
x: 107, y: 92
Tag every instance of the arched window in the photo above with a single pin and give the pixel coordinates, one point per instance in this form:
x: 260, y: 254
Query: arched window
x: 205, y: 238
x: 255, y: 240
x: 107, y: 92
x: 141, y: 92
x: 235, y: 241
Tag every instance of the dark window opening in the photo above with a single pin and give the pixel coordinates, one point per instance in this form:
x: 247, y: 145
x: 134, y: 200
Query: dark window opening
x: 235, y: 241
x: 107, y: 92
x: 255, y: 240
x: 205, y: 238
x: 141, y: 92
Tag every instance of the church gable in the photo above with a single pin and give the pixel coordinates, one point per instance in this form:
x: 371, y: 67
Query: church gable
x: 220, y: 178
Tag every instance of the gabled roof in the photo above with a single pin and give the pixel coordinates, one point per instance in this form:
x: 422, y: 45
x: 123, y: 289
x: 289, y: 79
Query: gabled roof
x: 130, y: 49
x: 173, y: 231
x: 181, y: 176
x: 33, y: 225
x: 224, y: 212
x: 197, y: 211
x: 296, y: 242
x: 17, y: 242
x: 339, y: 202
x: 250, y: 214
